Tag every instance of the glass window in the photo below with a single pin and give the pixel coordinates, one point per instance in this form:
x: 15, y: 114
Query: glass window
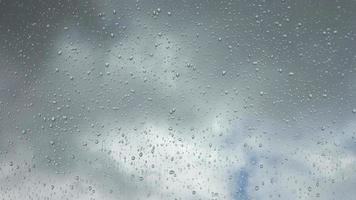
x: 177, y: 99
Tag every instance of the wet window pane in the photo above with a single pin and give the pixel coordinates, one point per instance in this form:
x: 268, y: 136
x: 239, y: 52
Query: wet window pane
x: 136, y: 99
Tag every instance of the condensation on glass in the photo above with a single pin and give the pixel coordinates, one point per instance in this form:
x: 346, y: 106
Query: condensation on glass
x: 136, y: 99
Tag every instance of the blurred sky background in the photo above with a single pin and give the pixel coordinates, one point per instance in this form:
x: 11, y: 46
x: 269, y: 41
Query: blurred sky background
x: 177, y: 99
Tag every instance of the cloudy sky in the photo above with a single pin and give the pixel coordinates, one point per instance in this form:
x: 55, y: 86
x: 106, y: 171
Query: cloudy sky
x: 177, y: 99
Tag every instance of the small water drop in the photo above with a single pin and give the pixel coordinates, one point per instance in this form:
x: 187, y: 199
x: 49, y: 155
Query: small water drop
x: 257, y: 188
